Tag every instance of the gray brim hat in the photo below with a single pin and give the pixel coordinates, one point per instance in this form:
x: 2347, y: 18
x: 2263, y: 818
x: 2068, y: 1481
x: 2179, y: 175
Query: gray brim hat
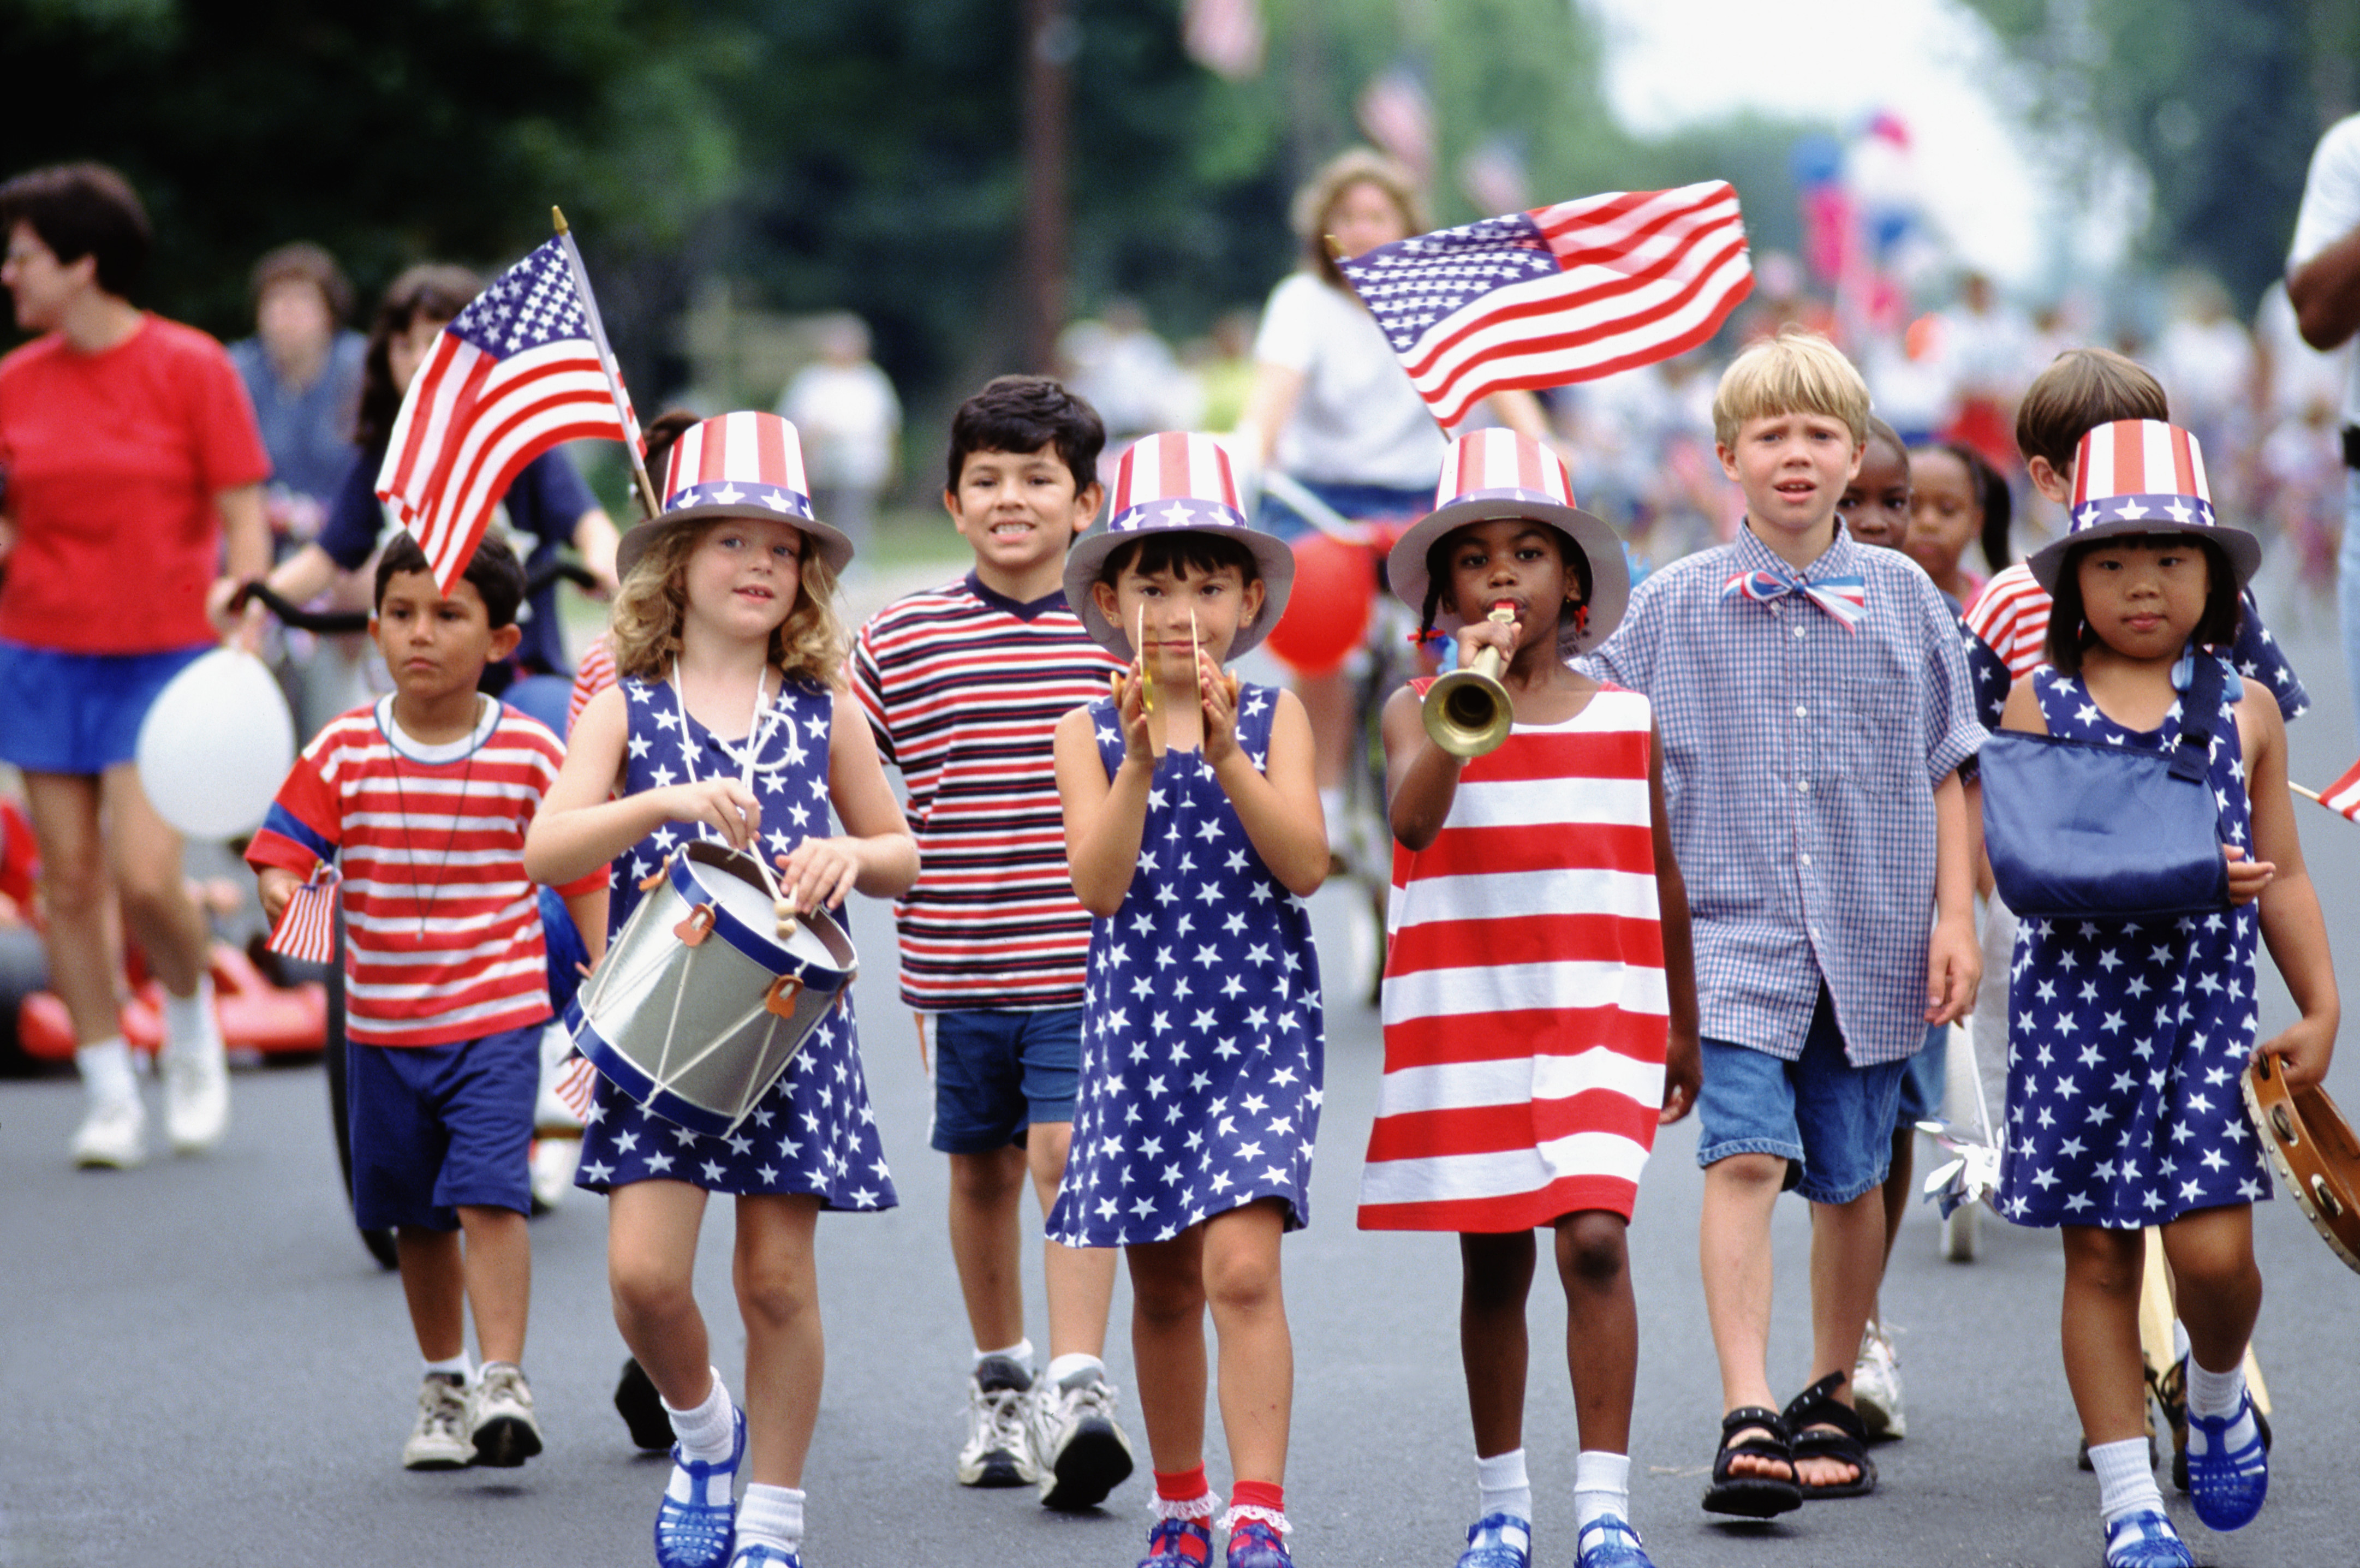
x: 2133, y: 477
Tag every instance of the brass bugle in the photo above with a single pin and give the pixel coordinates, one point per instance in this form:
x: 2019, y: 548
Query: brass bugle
x: 1467, y: 712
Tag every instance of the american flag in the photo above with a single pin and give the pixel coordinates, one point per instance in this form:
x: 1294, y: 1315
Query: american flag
x: 1565, y: 293
x: 306, y: 931
x: 522, y: 369
x: 1399, y: 117
x: 2342, y: 796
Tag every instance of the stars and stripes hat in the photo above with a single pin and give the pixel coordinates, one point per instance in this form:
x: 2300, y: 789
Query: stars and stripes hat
x: 2142, y: 477
x: 1499, y: 474
x: 747, y: 465
x: 1176, y: 483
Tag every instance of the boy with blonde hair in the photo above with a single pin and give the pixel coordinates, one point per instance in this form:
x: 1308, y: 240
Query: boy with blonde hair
x: 1814, y: 705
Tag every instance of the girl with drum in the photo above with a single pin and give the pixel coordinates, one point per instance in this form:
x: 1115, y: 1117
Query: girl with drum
x: 1193, y: 831
x: 729, y: 726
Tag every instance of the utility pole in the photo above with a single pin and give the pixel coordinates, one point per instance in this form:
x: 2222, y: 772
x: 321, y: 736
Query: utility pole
x: 1050, y: 39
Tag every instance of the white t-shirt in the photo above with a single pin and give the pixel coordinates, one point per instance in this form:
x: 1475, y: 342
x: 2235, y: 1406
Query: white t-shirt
x: 848, y: 418
x: 1359, y: 422
x: 2330, y: 210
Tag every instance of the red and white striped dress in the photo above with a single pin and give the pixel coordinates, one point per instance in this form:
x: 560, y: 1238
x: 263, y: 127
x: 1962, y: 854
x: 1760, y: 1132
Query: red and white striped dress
x: 1524, y: 1001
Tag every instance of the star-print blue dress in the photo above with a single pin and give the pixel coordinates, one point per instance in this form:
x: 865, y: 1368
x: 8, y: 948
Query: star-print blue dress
x: 1202, y: 1040
x: 2128, y: 1036
x: 814, y: 1131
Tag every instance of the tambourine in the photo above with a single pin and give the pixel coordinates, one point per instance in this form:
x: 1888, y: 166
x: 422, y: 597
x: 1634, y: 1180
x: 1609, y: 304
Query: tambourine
x: 2313, y: 1151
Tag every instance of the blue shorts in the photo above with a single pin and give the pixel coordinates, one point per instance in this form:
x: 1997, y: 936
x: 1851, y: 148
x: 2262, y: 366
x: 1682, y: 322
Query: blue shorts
x: 435, y: 1127
x: 1361, y: 502
x: 1831, y: 1122
x: 1923, y: 1085
x: 80, y: 713
x: 996, y: 1073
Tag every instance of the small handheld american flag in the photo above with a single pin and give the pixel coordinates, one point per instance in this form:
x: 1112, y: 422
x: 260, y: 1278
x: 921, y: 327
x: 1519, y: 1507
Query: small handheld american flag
x: 307, y: 926
x: 2342, y: 796
x: 1566, y: 293
x: 523, y: 368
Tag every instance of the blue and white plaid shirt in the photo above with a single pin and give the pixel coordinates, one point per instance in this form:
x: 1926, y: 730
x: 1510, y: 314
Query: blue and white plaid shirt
x: 1800, y: 767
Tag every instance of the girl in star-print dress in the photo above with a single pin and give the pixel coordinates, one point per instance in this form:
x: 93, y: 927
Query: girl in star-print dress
x: 1193, y: 832
x: 725, y: 725
x: 2128, y: 1036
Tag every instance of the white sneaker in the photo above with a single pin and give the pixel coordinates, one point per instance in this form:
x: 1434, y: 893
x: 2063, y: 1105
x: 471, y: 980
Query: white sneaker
x: 113, y: 1136
x: 439, y: 1441
x: 196, y: 1096
x: 998, y: 1452
x: 1876, y: 1385
x: 500, y: 1423
x: 552, y: 1164
x: 1079, y: 1450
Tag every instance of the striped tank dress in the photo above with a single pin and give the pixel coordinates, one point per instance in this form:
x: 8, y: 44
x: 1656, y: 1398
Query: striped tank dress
x: 1525, y: 1002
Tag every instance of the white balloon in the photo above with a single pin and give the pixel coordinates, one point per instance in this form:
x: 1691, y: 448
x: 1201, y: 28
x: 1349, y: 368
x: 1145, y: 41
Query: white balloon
x: 217, y: 746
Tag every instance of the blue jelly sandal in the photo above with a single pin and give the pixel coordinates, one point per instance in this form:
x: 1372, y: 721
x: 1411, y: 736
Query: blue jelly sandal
x: 2227, y: 1484
x: 698, y: 1533
x: 1178, y: 1543
x: 1609, y: 1541
x: 1498, y: 1540
x: 2145, y: 1540
x: 762, y: 1554
x: 1258, y: 1544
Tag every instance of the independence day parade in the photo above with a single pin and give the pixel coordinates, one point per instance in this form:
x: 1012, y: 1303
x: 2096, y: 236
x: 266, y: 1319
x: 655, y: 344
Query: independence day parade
x: 1174, y: 683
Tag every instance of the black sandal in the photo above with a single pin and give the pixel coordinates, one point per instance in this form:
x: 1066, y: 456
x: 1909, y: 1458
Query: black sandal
x: 1753, y: 1496
x: 1818, y: 1406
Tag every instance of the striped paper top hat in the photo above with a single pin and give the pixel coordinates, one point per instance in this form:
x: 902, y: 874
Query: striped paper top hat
x: 1176, y: 483
x: 746, y: 464
x: 2142, y: 477
x: 1498, y: 474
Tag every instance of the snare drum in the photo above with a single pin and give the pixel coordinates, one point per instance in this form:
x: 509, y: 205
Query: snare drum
x: 698, y: 1006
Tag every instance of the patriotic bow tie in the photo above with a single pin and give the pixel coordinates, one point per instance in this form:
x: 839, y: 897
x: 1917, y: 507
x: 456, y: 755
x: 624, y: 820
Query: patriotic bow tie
x: 1845, y: 598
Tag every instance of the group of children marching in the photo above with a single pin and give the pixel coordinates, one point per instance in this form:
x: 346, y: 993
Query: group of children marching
x: 1725, y: 860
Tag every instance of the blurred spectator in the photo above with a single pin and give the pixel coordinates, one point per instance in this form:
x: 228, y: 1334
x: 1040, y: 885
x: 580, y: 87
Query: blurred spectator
x: 2205, y: 358
x: 850, y: 422
x: 302, y: 369
x: 1985, y: 345
x: 1223, y: 366
x: 2323, y: 282
x: 1130, y: 377
x: 133, y: 466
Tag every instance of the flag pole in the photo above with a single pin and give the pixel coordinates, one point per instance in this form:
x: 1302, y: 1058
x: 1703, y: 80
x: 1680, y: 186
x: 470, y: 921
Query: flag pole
x: 647, y: 491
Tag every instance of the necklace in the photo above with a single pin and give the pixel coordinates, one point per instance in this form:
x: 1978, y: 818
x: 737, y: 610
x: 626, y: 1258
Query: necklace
x: 424, y: 893
x: 757, y: 731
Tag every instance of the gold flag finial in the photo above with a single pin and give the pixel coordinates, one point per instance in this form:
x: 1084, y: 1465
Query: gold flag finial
x: 557, y: 216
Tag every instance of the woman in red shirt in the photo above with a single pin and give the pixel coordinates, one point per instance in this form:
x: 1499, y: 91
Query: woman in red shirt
x: 130, y: 458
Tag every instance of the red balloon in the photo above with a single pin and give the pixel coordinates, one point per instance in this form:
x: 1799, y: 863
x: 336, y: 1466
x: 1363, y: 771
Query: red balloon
x: 1328, y: 609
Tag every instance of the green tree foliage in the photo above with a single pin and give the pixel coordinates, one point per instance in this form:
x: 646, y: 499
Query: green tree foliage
x: 2221, y: 100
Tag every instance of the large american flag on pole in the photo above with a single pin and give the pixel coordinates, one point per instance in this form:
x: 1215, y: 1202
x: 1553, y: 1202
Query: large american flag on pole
x: 1565, y: 293
x: 520, y: 370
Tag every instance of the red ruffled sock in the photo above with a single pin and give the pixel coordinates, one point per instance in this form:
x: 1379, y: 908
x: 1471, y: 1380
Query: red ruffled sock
x: 1184, y: 1493
x: 1264, y: 1500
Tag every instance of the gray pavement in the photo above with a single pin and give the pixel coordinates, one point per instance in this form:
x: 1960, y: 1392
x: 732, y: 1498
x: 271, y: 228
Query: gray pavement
x: 205, y: 1367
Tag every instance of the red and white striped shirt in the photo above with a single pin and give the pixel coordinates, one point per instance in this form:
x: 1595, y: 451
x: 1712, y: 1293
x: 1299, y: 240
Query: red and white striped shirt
x: 2011, y: 617
x: 443, y: 927
x: 964, y: 689
x: 1525, y: 1009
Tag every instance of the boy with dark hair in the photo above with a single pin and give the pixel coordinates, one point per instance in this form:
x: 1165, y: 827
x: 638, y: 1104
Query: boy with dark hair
x: 964, y: 685
x: 1812, y: 767
x: 422, y: 801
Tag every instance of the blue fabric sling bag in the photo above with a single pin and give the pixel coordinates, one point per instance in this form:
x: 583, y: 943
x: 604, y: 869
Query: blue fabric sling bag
x: 2079, y: 830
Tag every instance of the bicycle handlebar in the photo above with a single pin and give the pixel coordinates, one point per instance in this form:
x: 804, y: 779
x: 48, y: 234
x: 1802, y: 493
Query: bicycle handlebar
x: 330, y: 622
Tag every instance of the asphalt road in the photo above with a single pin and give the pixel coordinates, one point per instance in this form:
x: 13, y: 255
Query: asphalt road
x: 204, y: 1368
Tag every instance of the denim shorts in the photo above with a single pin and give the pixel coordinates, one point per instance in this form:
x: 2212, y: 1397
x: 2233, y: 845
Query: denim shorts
x: 1923, y: 1086
x: 1831, y: 1122
x: 80, y: 713
x: 996, y: 1073
x: 436, y: 1127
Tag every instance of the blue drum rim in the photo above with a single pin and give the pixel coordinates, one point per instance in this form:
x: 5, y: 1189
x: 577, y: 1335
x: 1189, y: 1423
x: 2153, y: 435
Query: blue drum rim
x: 759, y: 946
x: 632, y: 1081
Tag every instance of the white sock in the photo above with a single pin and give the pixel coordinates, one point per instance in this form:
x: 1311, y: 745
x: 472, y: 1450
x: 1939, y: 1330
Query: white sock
x: 771, y: 1515
x: 2214, y: 1395
x: 709, y: 1432
x: 1020, y: 1353
x: 190, y: 1024
x: 2126, y: 1484
x: 1064, y: 1366
x: 1602, y: 1484
x: 1502, y: 1486
x: 456, y: 1367
x: 106, y: 1070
